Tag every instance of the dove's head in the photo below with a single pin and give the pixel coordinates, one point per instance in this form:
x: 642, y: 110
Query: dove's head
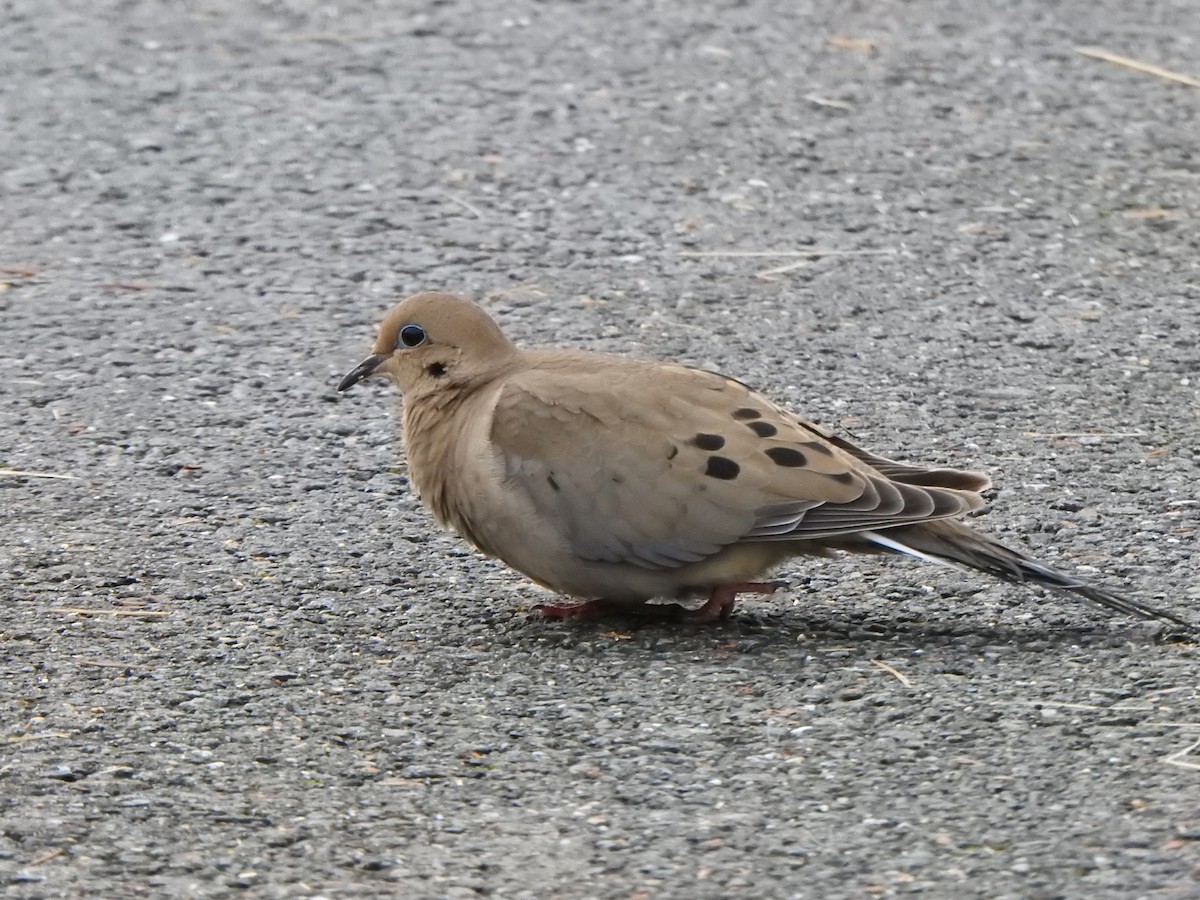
x: 432, y: 341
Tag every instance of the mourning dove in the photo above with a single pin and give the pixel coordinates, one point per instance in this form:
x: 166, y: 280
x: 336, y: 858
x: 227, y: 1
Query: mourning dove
x: 623, y: 481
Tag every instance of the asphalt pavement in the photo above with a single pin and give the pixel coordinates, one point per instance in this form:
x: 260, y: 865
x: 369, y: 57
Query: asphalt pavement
x: 238, y: 658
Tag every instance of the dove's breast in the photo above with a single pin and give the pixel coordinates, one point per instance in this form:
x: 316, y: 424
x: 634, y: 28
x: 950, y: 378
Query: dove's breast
x: 464, y: 482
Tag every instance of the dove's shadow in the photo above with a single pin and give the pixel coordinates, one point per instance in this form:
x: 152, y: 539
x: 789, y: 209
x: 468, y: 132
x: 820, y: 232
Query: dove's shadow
x: 816, y: 631
x: 964, y: 631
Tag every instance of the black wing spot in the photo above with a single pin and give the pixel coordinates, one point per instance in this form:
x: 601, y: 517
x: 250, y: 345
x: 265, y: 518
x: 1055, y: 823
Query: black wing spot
x: 554, y: 484
x: 674, y: 452
x: 747, y: 413
x: 763, y: 429
x: 787, y: 456
x: 840, y: 477
x: 817, y: 447
x: 707, y: 441
x: 722, y: 467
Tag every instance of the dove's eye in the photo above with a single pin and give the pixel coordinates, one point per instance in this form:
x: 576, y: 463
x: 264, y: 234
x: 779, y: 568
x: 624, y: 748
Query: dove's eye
x: 412, y: 335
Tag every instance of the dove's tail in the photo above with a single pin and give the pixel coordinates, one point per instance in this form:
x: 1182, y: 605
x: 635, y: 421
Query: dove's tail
x: 949, y: 541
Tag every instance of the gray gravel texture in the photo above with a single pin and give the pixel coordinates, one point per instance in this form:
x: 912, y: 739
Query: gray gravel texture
x: 291, y: 685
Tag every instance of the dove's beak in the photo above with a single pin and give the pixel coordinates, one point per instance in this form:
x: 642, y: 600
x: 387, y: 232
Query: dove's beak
x: 363, y: 370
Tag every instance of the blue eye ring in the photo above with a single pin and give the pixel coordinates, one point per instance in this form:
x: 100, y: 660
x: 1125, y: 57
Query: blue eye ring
x: 412, y: 335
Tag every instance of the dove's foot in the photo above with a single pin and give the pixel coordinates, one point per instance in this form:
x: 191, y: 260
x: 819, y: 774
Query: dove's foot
x: 589, y: 609
x: 719, y: 605
x: 717, y: 608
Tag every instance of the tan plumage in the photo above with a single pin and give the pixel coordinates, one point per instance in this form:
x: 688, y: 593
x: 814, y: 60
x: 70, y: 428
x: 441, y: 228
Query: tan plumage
x: 621, y: 481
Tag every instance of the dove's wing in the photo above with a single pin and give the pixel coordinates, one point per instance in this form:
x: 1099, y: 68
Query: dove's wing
x: 909, y: 473
x: 659, y: 465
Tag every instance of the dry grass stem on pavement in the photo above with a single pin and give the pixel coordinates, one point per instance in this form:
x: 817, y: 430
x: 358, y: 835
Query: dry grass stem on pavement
x: 1119, y: 60
x: 818, y: 100
x: 848, y: 43
x: 20, y: 473
x: 899, y: 676
x: 770, y: 274
x: 46, y: 857
x: 126, y: 613
x: 40, y: 736
x: 807, y: 254
x: 1082, y: 434
x: 113, y: 664
x: 1177, y: 758
x: 474, y: 210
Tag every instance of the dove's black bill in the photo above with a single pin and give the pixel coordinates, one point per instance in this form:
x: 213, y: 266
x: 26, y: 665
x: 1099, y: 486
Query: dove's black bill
x: 361, y: 371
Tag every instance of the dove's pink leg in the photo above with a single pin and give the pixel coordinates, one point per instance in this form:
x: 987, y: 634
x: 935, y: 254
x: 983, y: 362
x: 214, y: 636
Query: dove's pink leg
x: 588, y: 609
x: 718, y: 607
